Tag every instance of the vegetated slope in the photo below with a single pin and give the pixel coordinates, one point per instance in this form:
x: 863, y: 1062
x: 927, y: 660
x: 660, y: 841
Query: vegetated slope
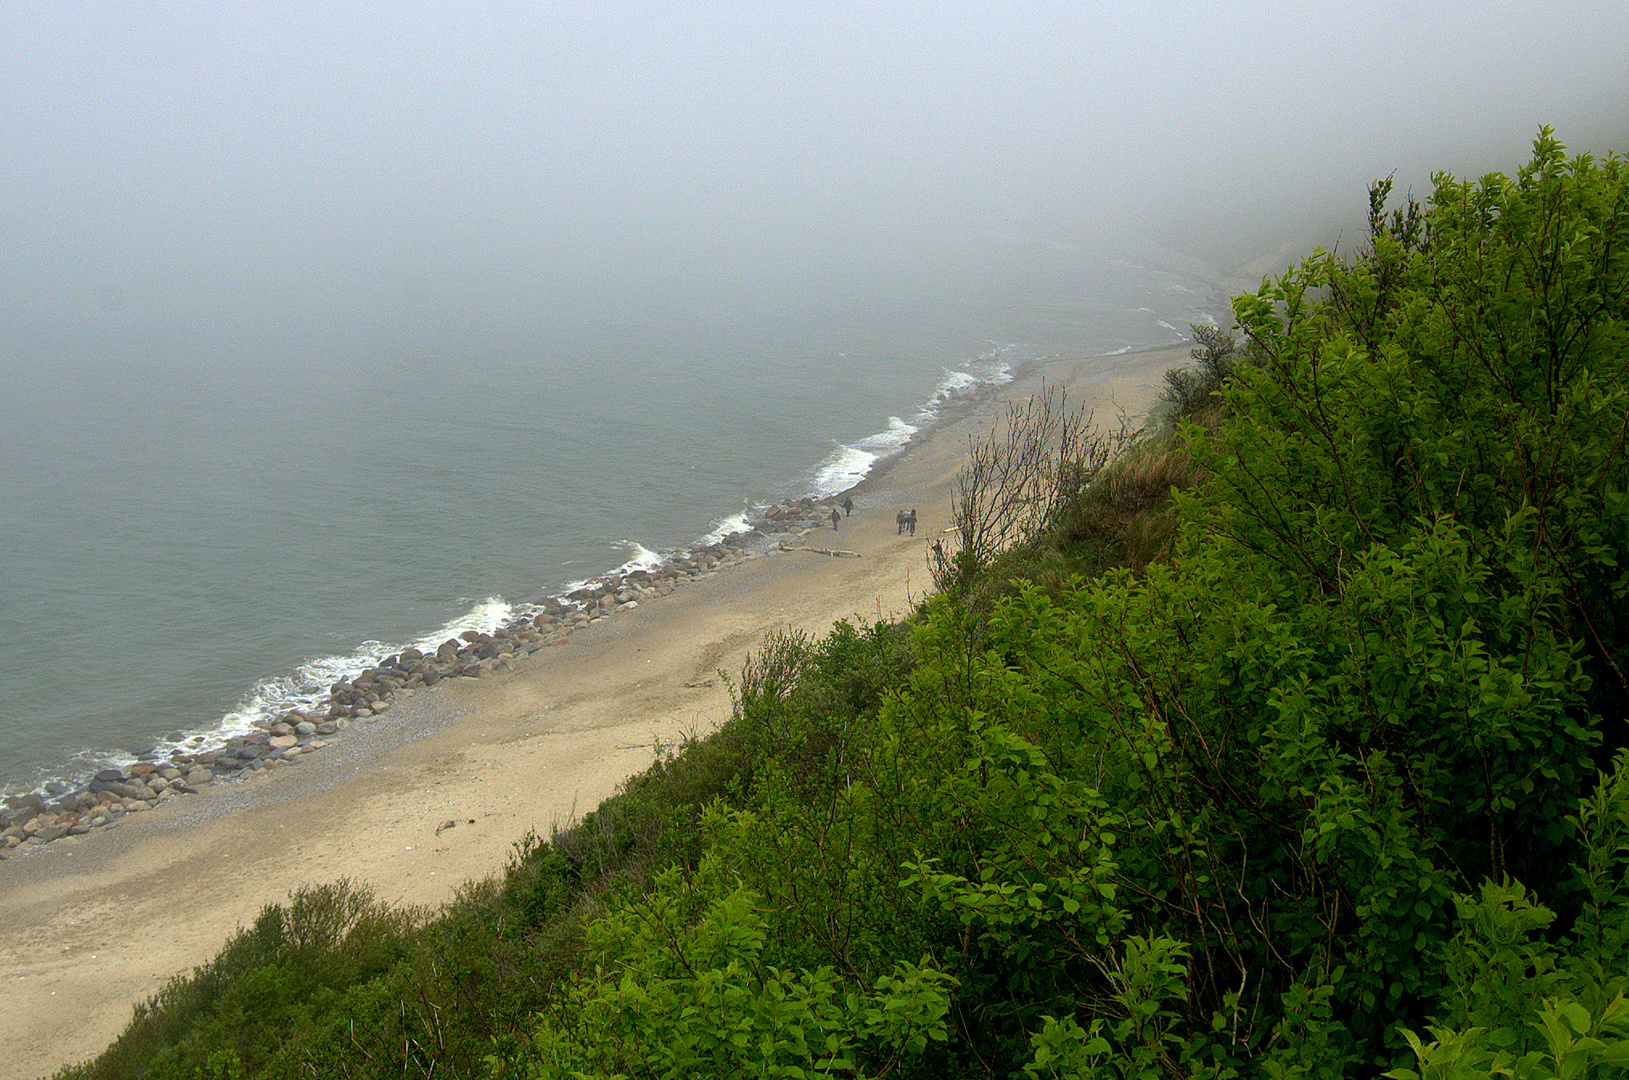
x: 1336, y: 786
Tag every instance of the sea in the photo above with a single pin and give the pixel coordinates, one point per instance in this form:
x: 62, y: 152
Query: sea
x: 202, y: 529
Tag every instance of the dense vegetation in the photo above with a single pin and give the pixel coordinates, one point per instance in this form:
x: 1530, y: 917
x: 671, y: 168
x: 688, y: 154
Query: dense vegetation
x: 1315, y: 767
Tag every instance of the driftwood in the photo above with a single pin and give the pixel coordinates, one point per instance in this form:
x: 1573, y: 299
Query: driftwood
x: 835, y: 552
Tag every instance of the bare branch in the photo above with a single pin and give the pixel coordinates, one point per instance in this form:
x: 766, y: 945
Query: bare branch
x: 1018, y: 482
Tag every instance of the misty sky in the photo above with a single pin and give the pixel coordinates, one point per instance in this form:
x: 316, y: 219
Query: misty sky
x: 192, y: 162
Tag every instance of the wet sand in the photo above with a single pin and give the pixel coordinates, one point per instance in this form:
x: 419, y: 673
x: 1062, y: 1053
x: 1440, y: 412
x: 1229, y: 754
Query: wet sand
x: 437, y: 792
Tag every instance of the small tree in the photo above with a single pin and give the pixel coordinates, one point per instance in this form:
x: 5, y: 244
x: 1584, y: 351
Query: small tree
x: 1018, y: 481
x: 1189, y: 390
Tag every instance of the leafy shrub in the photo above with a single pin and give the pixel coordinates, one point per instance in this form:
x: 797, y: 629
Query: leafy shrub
x: 1191, y: 393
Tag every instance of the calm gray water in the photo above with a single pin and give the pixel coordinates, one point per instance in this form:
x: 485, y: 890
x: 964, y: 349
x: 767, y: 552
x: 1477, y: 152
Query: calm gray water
x: 198, y: 529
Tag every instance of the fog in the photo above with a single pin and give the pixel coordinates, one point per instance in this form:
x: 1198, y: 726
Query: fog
x: 301, y: 168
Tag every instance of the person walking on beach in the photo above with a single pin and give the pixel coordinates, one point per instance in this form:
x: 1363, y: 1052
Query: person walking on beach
x: 835, y: 518
x: 899, y: 520
x: 910, y: 521
x: 848, y: 506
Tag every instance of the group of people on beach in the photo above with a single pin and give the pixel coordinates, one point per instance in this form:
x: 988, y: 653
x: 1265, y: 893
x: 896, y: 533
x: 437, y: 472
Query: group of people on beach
x: 905, y: 519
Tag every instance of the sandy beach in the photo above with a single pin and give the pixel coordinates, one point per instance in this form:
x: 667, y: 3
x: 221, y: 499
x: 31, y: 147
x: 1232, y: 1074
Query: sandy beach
x: 439, y: 791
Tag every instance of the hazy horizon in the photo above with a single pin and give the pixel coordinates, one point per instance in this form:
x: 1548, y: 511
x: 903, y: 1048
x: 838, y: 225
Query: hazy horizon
x: 317, y: 167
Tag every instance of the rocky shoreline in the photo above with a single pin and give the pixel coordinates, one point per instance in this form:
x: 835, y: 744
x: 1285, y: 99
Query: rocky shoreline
x: 34, y: 818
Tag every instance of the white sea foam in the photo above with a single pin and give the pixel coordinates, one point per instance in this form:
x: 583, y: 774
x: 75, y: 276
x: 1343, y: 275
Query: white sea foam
x: 642, y: 558
x: 954, y: 383
x: 485, y: 617
x: 727, y: 527
x: 844, y: 467
x: 307, y: 687
x: 989, y: 370
x: 847, y: 465
x: 884, y: 442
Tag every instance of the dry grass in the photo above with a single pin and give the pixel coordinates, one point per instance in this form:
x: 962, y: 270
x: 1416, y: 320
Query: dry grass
x: 1126, y: 517
x: 1018, y: 483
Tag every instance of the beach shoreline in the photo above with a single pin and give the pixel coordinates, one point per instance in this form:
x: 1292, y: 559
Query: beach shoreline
x: 440, y: 789
x: 300, y: 692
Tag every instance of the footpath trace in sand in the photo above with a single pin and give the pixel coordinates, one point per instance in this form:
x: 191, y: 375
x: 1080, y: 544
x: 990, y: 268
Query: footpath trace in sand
x: 437, y: 788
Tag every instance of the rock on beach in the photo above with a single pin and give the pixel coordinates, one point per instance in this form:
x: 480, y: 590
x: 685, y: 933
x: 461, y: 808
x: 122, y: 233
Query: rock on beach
x: 32, y: 818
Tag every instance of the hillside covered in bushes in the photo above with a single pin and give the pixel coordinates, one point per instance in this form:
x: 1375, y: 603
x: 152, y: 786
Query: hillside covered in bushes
x: 1287, y: 742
